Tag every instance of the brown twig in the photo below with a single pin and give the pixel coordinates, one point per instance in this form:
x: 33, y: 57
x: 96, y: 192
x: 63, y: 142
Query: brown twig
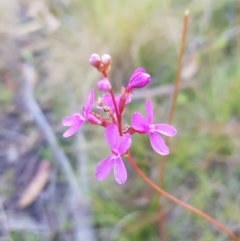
x: 170, y: 119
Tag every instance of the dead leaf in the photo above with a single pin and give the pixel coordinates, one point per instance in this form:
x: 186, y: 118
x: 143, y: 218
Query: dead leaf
x: 36, y: 185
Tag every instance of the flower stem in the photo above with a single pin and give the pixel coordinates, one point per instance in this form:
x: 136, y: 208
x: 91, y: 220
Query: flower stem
x: 177, y: 201
x: 162, y: 166
x: 119, y: 118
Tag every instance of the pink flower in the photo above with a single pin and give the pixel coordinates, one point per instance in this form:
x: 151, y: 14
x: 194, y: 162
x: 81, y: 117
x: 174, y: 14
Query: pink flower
x: 143, y: 126
x: 139, y: 79
x: 76, y: 120
x: 119, y: 145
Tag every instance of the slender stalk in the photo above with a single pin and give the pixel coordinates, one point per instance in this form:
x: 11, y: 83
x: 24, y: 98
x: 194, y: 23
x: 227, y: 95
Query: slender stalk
x: 119, y: 119
x: 179, y: 66
x: 177, y: 201
x: 162, y: 166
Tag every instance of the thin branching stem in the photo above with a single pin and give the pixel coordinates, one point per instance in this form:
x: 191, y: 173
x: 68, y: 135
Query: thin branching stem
x: 177, y: 201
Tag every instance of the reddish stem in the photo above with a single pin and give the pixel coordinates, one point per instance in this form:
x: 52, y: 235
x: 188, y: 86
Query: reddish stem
x: 177, y: 201
x: 119, y: 117
x: 162, y: 166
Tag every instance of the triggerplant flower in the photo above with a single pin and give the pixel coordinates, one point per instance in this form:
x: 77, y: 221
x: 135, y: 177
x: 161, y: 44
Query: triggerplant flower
x: 76, y: 120
x: 143, y: 126
x: 138, y: 80
x: 118, y: 136
x: 119, y: 145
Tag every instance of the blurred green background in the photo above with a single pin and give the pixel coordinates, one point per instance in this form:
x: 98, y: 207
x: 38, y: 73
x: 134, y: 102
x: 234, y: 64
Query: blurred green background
x: 48, y: 43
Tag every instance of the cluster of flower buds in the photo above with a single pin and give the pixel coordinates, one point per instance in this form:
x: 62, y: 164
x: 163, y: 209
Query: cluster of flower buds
x: 117, y: 136
x: 102, y: 64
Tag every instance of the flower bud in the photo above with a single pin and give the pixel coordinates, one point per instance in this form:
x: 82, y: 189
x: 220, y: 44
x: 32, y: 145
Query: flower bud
x: 103, y: 85
x: 95, y: 60
x: 138, y: 80
x: 106, y: 59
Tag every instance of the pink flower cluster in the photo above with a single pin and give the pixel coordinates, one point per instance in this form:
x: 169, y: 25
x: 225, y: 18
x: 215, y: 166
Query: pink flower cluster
x: 117, y: 136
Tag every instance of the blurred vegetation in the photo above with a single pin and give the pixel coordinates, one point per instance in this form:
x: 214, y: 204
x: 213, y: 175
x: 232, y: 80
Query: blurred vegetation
x: 203, y: 168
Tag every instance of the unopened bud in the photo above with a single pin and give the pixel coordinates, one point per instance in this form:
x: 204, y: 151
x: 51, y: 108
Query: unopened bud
x: 103, y: 85
x: 138, y: 80
x: 95, y: 60
x: 106, y: 59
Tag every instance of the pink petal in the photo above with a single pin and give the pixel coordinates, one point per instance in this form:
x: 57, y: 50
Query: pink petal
x: 128, y: 100
x: 73, y: 129
x: 94, y: 120
x: 118, y: 98
x: 139, y: 123
x: 158, y: 144
x: 107, y: 100
x: 103, y: 168
x: 117, y: 101
x: 124, y: 144
x: 120, y: 172
x: 165, y: 129
x: 149, y: 111
x: 71, y: 119
x: 112, y: 136
x: 89, y: 102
